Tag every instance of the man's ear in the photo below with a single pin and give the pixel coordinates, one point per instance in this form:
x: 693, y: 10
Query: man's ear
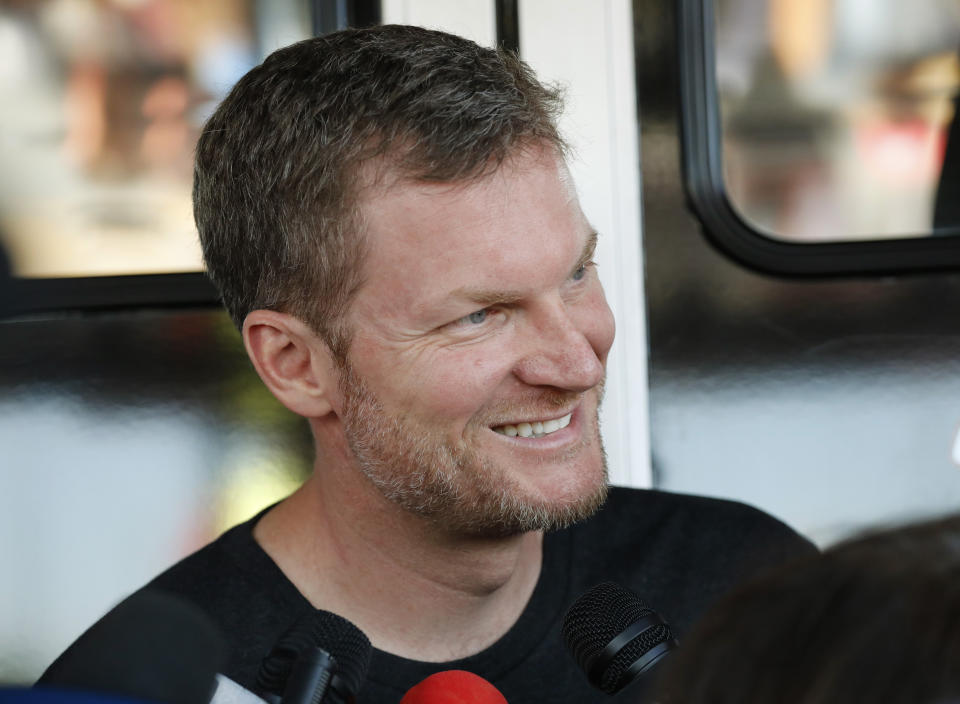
x: 292, y: 360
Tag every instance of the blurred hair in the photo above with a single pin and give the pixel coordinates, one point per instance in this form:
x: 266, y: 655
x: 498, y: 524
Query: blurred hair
x: 874, y: 619
x: 281, y: 164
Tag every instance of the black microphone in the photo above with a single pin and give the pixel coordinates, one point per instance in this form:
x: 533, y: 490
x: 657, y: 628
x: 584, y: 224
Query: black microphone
x: 151, y: 646
x: 321, y: 659
x: 615, y: 637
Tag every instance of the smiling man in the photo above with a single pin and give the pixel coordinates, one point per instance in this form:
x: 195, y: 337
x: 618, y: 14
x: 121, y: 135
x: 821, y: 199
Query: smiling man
x: 480, y: 336
x: 388, y: 215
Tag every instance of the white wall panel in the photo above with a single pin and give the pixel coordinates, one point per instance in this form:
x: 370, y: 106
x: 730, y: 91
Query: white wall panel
x: 587, y: 46
x: 474, y: 19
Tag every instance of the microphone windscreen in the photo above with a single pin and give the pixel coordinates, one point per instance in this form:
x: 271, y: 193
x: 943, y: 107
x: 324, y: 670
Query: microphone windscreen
x: 614, y: 636
x: 150, y: 646
x: 336, y: 635
x: 453, y: 687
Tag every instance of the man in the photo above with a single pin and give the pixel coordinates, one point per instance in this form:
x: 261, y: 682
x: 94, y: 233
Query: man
x: 388, y: 216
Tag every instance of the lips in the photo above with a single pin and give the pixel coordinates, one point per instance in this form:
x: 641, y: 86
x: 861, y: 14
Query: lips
x: 534, y: 428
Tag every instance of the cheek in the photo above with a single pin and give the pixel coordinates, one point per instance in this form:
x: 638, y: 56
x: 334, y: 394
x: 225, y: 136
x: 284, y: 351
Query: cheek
x: 456, y: 383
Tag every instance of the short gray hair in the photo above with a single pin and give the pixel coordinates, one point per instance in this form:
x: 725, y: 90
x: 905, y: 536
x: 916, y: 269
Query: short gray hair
x: 278, y: 165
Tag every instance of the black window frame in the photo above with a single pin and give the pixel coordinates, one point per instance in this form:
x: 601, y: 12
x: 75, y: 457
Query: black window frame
x: 33, y: 296
x: 701, y: 146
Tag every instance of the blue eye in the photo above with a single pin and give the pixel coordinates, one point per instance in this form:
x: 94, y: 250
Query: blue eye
x: 477, y: 316
x: 580, y: 273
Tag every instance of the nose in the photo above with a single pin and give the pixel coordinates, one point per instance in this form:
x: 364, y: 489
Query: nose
x: 564, y: 350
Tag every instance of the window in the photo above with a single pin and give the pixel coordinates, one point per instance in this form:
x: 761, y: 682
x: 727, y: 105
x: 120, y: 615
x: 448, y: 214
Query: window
x: 103, y: 102
x: 818, y: 133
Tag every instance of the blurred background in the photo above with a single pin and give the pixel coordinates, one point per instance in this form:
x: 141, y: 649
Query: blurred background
x: 132, y: 434
x: 836, y: 113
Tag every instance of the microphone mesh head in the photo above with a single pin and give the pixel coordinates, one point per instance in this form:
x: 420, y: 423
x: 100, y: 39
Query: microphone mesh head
x: 320, y: 629
x: 596, y: 618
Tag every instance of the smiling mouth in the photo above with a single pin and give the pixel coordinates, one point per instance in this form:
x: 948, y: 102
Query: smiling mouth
x: 534, y: 429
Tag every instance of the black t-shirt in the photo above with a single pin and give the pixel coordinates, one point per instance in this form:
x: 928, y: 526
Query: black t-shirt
x: 678, y: 553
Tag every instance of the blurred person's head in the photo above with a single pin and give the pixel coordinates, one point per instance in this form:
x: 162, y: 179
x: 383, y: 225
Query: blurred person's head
x: 874, y: 619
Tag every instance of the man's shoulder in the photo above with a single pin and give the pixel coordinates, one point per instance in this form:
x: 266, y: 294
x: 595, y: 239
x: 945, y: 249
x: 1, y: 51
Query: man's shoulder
x: 231, y: 572
x: 244, y: 593
x: 207, y: 569
x: 219, y: 577
x: 630, y: 511
x: 680, y: 551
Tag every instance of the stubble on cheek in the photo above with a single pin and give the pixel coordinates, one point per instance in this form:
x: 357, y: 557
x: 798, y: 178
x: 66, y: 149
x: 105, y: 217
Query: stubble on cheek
x: 453, y: 485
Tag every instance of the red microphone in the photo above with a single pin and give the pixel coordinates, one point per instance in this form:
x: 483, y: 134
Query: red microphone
x: 453, y: 687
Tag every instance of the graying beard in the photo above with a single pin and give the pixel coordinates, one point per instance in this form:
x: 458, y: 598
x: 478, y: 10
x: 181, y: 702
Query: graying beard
x: 433, y: 493
x: 429, y: 487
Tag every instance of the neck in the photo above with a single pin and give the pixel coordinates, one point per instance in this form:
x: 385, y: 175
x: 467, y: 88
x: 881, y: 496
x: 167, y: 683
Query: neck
x: 415, y: 590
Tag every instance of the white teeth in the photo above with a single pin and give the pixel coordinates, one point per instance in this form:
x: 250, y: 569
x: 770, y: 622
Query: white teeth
x: 537, y: 429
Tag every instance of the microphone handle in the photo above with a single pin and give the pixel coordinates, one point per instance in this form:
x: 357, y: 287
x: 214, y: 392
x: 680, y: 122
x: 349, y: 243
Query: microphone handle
x: 310, y: 678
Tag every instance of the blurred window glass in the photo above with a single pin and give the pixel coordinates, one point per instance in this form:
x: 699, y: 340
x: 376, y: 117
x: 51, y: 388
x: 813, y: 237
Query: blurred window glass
x: 838, y: 116
x: 102, y: 104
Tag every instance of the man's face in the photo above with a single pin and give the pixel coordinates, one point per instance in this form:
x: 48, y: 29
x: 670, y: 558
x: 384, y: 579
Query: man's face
x: 481, y: 321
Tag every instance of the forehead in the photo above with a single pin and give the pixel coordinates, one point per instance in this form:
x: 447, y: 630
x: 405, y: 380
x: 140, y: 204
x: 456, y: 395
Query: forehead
x: 510, y: 229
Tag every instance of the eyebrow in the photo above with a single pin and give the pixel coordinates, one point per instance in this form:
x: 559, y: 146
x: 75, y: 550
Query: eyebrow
x: 589, y: 249
x: 492, y: 297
